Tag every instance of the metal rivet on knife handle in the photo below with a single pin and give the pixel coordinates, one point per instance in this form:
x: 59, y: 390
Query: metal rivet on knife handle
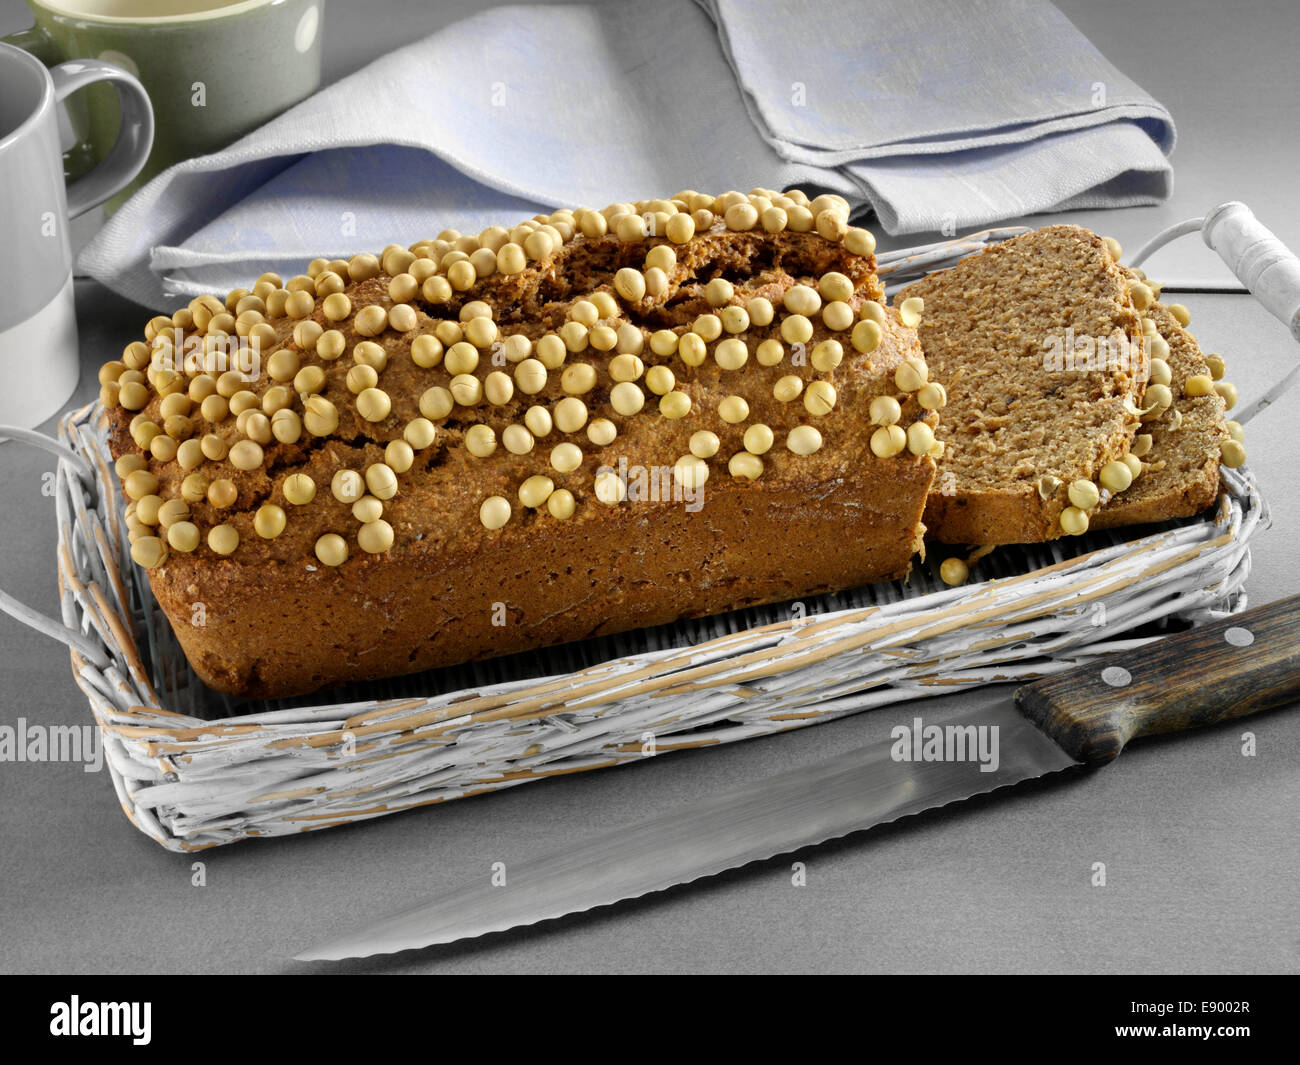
x: 1117, y: 676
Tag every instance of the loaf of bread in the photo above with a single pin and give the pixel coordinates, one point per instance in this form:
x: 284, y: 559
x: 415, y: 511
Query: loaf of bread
x: 586, y: 423
x: 1033, y: 340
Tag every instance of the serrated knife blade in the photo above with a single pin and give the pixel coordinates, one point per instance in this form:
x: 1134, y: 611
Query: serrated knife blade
x: 787, y: 812
x: 1230, y: 668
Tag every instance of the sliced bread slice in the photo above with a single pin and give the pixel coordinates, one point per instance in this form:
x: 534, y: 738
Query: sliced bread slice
x: 1032, y: 340
x: 1179, y: 447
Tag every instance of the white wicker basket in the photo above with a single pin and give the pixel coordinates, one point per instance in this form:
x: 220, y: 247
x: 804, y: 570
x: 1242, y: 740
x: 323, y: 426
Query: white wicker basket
x: 194, y: 769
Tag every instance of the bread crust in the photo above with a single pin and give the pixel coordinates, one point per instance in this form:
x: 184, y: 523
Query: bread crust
x: 283, y: 629
x: 1180, y: 474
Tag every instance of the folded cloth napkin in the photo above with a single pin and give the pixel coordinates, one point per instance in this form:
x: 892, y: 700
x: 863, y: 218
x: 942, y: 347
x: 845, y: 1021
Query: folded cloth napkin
x: 947, y: 113
x: 517, y: 110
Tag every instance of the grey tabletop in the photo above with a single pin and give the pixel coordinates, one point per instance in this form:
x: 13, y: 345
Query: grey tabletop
x: 1201, y: 844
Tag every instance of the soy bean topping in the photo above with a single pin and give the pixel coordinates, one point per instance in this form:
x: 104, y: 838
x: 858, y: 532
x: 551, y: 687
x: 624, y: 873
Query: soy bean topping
x: 1084, y: 494
x: 803, y: 440
x: 954, y: 571
x: 888, y: 441
x: 332, y: 549
x: 269, y: 521
x: 494, y: 512
x: 1074, y: 521
x: 704, y: 444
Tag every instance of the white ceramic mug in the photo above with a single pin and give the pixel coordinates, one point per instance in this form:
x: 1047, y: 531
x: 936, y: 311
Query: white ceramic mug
x: 38, y: 325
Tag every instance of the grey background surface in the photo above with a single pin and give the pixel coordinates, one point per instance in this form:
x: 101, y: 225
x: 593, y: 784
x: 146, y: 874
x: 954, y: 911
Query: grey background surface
x: 1202, y: 845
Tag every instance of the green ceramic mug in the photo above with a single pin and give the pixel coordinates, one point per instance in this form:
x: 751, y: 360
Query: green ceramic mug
x: 214, y: 69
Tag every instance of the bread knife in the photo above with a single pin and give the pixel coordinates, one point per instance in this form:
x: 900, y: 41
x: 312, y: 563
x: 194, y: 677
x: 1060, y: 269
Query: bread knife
x: 1084, y: 717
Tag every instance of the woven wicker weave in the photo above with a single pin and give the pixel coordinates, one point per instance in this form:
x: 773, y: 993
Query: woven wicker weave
x: 195, y: 780
x: 194, y: 769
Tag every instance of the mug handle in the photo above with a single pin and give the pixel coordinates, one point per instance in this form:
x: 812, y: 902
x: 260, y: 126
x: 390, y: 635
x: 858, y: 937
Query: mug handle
x: 134, y: 139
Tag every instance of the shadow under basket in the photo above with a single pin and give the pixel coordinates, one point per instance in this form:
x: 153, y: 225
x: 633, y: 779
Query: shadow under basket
x: 194, y: 768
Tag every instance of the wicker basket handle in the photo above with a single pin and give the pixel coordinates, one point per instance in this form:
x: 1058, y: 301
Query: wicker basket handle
x: 1266, y: 266
x: 1269, y: 270
x: 34, y: 619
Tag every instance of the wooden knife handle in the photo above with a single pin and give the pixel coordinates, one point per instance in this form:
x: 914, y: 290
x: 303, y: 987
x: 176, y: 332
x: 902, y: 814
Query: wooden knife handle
x: 1216, y: 672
